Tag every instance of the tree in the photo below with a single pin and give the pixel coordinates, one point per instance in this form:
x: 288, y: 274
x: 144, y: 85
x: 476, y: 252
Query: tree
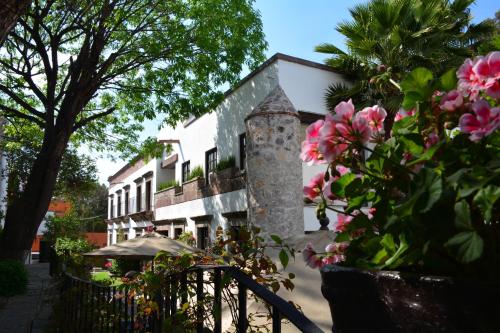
x: 388, y: 38
x: 93, y: 70
x: 9, y: 13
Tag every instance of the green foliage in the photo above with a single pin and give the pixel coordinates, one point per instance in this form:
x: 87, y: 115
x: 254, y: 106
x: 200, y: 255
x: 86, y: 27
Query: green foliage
x: 168, y: 184
x: 188, y: 238
x: 70, y: 252
x: 229, y: 162
x: 196, y: 172
x: 13, y: 278
x: 68, y: 227
x: 421, y: 206
x: 386, y: 39
x: 120, y: 267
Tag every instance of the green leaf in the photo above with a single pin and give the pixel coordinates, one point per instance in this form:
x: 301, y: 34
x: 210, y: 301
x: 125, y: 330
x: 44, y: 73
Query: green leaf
x: 432, y: 193
x: 355, y: 188
x: 395, y: 261
x: 277, y: 239
x: 448, y: 80
x: 416, y: 87
x: 388, y: 244
x: 338, y: 186
x: 462, y: 215
x: 485, y: 198
x: 284, y: 258
x: 468, y: 246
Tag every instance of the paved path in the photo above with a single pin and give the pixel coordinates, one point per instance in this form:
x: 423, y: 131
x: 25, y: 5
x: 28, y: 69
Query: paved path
x: 17, y: 313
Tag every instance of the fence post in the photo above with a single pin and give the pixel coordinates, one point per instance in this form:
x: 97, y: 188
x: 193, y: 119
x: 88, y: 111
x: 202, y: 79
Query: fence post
x: 199, y: 300
x: 276, y: 320
x: 217, y: 301
x: 242, y: 304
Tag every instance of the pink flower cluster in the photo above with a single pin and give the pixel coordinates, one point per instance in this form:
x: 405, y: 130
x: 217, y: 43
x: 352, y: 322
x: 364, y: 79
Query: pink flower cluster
x: 318, y: 186
x: 334, y: 255
x: 482, y: 73
x: 483, y: 122
x: 328, y: 139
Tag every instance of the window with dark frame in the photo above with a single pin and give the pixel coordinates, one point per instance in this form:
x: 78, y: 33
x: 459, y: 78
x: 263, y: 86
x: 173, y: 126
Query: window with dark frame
x: 138, y: 198
x: 119, y: 208
x: 185, y: 171
x: 127, y: 198
x: 148, y: 195
x: 202, y: 238
x: 243, y: 150
x: 178, y: 232
x: 210, y: 162
x: 112, y: 209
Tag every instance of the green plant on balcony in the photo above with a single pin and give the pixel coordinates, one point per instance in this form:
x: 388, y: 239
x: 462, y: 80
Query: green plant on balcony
x: 229, y: 162
x: 168, y: 184
x: 197, y: 172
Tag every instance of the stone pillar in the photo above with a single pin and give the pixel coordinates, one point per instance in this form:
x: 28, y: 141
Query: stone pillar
x: 274, y: 170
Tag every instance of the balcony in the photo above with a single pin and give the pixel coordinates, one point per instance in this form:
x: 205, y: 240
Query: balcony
x: 224, y: 181
x: 136, y: 211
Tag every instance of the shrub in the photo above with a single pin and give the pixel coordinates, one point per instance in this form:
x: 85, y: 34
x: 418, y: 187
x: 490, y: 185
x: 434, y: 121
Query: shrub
x: 13, y: 278
x: 168, y: 184
x: 121, y: 266
x: 70, y: 251
x: 188, y: 238
x: 197, y: 172
x: 229, y: 162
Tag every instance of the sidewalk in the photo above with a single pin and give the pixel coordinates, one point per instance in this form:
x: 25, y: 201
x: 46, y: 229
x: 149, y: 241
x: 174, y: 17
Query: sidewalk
x: 18, y: 312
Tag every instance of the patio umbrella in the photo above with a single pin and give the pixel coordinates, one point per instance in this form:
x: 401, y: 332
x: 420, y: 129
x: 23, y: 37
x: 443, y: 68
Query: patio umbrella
x: 142, y: 247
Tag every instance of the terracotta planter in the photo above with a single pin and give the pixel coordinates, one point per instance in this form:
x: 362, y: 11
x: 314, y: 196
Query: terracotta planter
x: 365, y: 301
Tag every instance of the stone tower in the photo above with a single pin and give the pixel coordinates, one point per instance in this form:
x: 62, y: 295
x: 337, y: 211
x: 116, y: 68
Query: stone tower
x: 274, y: 170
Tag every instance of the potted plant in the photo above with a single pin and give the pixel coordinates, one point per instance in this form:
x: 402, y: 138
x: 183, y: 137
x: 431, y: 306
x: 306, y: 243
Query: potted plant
x: 226, y: 168
x: 418, y: 238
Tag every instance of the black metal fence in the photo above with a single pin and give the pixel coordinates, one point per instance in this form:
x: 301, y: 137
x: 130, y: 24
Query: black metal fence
x: 89, y: 307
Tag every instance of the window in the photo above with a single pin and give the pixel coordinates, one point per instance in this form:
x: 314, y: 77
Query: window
x: 112, y: 208
x: 125, y: 236
x: 243, y: 150
x: 119, y: 210
x: 127, y: 198
x: 110, y: 239
x: 185, y: 171
x: 139, y: 198
x: 148, y: 195
x: 178, y: 232
x: 202, y: 238
x: 210, y: 162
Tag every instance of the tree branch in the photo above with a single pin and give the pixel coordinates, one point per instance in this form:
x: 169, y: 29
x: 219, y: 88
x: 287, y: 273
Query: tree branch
x: 8, y: 111
x: 85, y: 121
x: 22, y: 102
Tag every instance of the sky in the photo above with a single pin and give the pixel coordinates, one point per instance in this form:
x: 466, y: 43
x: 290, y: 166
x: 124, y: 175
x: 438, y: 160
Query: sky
x: 295, y: 27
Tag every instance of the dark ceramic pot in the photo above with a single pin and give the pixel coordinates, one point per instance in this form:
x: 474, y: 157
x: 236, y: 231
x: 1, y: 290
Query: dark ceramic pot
x: 366, y: 301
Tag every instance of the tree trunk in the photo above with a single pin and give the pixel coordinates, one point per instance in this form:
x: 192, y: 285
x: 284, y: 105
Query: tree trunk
x: 26, y: 213
x: 10, y: 10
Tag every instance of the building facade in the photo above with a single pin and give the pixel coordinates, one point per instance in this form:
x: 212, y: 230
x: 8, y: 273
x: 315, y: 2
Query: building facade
x: 248, y: 150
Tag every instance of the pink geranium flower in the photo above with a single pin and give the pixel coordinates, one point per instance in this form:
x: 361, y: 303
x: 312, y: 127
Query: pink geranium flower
x: 483, y: 122
x: 479, y: 74
x: 403, y: 114
x: 312, y: 131
x: 344, y: 112
x: 361, y: 130
x: 375, y: 116
x: 315, y: 187
x: 331, y: 144
x: 451, y: 101
x: 342, y: 222
x: 310, y: 257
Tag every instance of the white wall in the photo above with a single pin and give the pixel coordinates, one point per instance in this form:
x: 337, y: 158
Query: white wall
x: 222, y: 127
x: 215, y: 205
x: 305, y: 86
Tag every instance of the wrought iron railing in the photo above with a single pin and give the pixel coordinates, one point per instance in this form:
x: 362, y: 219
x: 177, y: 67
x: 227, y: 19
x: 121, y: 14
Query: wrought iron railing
x: 89, y: 307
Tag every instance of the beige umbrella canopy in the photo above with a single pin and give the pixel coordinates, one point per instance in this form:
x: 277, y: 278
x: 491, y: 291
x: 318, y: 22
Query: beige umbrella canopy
x: 142, y: 247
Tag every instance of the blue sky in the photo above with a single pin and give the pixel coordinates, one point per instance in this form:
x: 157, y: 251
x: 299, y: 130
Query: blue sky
x: 295, y: 27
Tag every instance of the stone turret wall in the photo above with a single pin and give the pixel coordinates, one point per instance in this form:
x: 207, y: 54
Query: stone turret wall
x: 274, y: 170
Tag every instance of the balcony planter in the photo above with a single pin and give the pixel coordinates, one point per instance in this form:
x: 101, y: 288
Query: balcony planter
x: 227, y: 173
x: 387, y: 301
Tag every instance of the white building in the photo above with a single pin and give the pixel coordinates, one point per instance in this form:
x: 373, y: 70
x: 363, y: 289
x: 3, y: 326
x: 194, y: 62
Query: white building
x: 220, y: 197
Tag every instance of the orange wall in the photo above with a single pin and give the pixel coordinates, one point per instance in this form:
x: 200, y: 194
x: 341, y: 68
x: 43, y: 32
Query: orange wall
x: 98, y: 239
